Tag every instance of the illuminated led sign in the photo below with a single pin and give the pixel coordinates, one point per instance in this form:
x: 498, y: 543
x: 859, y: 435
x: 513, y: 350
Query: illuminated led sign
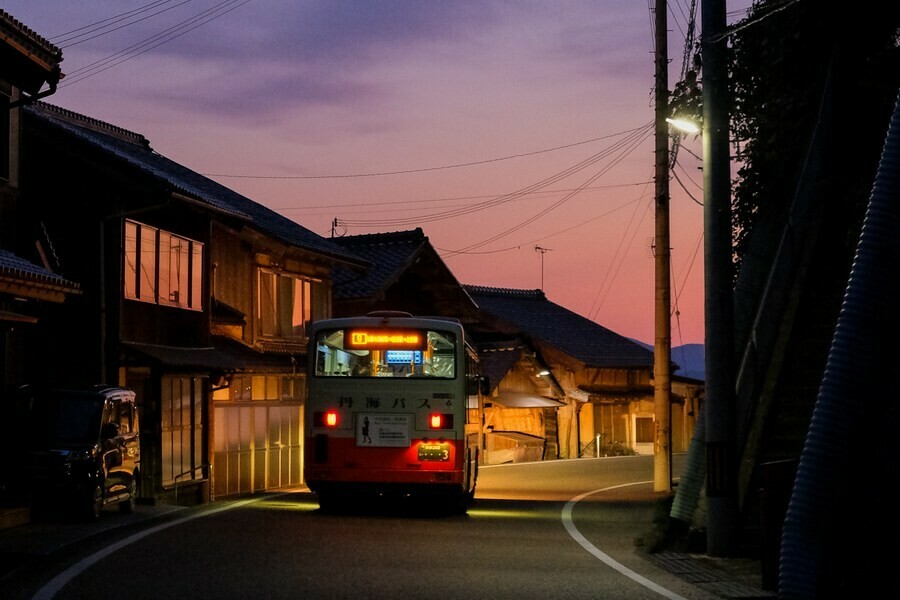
x: 403, y: 357
x: 384, y: 339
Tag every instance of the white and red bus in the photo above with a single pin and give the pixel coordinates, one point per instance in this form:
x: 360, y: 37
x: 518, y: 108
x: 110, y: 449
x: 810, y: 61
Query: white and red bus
x: 393, y: 408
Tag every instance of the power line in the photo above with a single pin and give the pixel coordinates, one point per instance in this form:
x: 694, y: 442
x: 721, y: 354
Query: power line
x: 164, y: 37
x: 452, y: 253
x: 425, y: 169
x: 104, y: 27
x: 681, y: 183
x: 405, y: 203
x: 614, y: 265
x: 755, y: 15
x: 635, y: 142
x: 691, y: 260
x: 629, y: 142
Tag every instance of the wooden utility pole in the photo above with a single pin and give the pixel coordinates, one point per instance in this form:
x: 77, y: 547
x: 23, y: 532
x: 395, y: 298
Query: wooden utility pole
x: 662, y: 347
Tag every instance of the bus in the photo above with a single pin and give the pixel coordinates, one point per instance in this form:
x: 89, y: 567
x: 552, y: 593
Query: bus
x: 393, y: 411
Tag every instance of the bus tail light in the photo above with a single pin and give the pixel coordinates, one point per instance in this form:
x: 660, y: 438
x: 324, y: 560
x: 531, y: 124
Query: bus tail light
x: 328, y: 419
x: 440, y: 421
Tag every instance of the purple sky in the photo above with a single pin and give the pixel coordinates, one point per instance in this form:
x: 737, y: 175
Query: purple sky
x: 477, y: 121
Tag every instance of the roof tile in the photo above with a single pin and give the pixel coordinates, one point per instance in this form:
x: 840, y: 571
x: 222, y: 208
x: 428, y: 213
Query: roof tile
x: 134, y: 149
x: 389, y: 254
x: 531, y: 312
x: 15, y: 266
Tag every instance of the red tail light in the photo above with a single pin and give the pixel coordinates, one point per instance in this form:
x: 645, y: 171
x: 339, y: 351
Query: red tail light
x: 440, y: 421
x: 328, y: 418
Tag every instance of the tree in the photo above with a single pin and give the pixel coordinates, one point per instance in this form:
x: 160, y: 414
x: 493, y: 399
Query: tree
x: 788, y: 57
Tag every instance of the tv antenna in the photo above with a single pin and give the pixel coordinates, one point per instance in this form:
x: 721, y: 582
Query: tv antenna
x: 543, y: 251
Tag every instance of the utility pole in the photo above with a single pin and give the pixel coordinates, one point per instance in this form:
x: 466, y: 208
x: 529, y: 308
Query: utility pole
x: 662, y: 347
x: 719, y: 410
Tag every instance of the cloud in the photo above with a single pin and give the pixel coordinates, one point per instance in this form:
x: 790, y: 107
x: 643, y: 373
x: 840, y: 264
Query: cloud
x: 267, y: 61
x: 266, y: 58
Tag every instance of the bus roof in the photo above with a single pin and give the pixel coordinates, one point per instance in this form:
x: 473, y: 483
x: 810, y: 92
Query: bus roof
x: 389, y: 318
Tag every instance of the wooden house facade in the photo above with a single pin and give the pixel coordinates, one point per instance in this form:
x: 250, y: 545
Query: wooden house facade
x: 30, y: 290
x: 194, y: 296
x: 603, y: 380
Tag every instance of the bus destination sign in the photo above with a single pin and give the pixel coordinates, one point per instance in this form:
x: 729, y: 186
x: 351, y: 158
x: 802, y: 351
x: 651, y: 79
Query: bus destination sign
x: 384, y: 339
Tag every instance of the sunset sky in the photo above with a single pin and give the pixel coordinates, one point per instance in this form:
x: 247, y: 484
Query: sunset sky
x: 517, y: 134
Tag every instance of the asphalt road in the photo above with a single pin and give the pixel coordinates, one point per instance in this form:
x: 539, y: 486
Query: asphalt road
x: 566, y: 529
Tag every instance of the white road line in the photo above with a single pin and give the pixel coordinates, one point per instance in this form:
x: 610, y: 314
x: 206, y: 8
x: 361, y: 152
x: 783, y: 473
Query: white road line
x: 50, y: 589
x: 605, y: 558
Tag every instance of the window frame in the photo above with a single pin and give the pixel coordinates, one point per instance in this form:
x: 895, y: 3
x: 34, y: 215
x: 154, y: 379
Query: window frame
x: 148, y: 254
x: 280, y: 297
x: 644, y: 429
x: 182, y: 427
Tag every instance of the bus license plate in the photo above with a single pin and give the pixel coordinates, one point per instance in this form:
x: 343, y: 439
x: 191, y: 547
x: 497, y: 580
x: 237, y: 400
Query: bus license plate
x: 434, y: 452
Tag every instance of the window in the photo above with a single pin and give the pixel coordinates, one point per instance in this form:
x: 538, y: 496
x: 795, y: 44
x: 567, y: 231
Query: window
x: 285, y: 304
x: 644, y: 430
x: 336, y: 356
x: 162, y: 267
x: 121, y: 414
x: 182, y: 429
x: 252, y: 388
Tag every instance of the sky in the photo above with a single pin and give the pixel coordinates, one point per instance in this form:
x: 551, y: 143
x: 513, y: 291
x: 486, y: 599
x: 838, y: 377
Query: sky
x: 516, y: 134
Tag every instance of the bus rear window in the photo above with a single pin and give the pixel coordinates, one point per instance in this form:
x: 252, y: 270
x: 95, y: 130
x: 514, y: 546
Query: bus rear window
x: 406, y: 353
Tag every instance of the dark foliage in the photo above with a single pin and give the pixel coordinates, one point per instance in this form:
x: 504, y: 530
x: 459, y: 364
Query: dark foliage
x: 797, y: 66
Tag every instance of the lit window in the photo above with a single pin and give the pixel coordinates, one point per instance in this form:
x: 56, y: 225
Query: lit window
x: 285, y: 304
x: 162, y: 268
x: 182, y: 445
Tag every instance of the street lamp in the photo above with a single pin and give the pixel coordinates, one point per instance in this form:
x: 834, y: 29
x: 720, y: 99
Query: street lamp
x: 685, y: 125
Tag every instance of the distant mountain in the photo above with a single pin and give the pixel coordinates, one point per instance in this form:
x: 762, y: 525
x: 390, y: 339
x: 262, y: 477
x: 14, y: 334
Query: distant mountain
x: 690, y: 359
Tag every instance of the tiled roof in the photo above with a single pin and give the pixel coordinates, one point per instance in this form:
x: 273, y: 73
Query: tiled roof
x: 19, y: 268
x: 134, y: 150
x: 389, y: 253
x: 542, y: 320
x: 30, y: 44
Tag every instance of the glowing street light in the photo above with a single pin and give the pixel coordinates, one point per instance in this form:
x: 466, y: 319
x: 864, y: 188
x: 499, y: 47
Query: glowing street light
x: 683, y: 125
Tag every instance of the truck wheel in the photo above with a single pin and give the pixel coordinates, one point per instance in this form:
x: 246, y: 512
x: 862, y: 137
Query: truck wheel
x: 94, y: 502
x: 127, y: 506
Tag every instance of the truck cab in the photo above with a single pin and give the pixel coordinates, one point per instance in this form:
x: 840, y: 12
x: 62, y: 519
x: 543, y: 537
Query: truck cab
x: 82, y: 449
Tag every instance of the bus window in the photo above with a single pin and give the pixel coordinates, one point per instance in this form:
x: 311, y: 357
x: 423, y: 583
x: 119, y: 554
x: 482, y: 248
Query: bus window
x: 390, y: 358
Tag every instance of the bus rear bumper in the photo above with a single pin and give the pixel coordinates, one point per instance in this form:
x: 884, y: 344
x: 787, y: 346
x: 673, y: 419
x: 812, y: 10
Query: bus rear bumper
x: 318, y: 477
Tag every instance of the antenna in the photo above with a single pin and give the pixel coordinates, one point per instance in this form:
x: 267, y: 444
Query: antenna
x: 543, y: 251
